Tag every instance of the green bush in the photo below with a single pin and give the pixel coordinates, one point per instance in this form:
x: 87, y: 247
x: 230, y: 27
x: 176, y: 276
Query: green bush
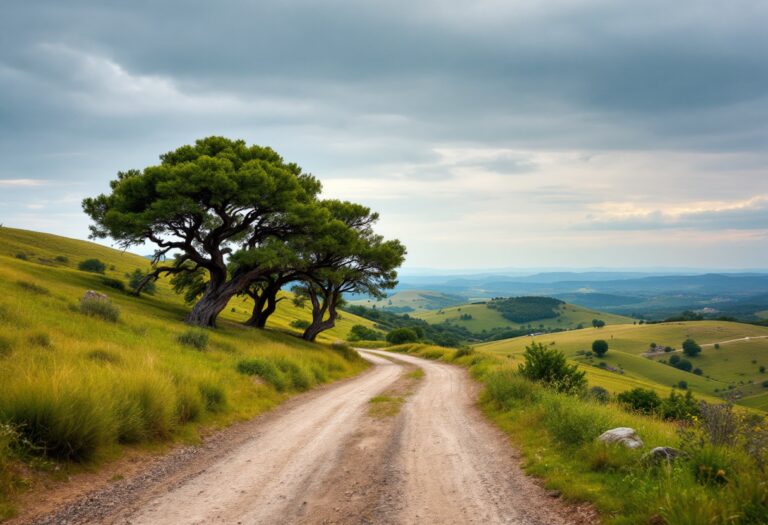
x: 679, y: 407
x: 641, y: 399
x: 549, y: 366
x: 92, y: 265
x: 22, y: 256
x: 301, y: 324
x: 266, y: 370
x: 363, y: 333
x: 214, y: 397
x: 506, y: 388
x: 101, y: 308
x: 117, y: 284
x: 691, y: 348
x: 195, y: 338
x: 463, y: 351
x: 63, y: 259
x: 400, y: 336
x: 599, y: 394
x: 600, y: 347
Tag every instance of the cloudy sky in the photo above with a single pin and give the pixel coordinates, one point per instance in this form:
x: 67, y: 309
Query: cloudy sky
x: 492, y: 133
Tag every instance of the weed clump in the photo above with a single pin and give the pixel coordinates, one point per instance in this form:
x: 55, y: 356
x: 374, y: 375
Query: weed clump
x: 33, y: 288
x: 102, y: 356
x: 40, y: 339
x: 101, y: 308
x: 117, y: 284
x: 92, y: 265
x: 194, y: 338
x: 63, y: 259
x: 22, y: 256
x: 282, y: 373
x: 463, y: 352
x: 214, y: 397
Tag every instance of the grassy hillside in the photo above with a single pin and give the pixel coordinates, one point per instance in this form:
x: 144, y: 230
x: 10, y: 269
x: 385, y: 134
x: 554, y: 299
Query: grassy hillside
x: 484, y: 318
x: 75, y: 386
x: 413, y: 301
x: 732, y: 369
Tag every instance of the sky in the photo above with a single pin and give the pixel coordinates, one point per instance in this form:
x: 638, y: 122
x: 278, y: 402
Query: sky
x: 487, y: 134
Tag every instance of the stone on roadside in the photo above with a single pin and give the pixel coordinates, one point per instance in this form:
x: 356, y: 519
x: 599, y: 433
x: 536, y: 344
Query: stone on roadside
x: 623, y: 436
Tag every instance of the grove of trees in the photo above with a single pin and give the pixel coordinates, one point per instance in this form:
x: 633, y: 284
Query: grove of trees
x: 230, y: 219
x: 526, y: 309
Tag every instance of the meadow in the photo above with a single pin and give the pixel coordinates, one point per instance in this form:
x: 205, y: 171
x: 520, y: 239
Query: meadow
x: 732, y: 368
x: 478, y: 318
x: 78, y: 386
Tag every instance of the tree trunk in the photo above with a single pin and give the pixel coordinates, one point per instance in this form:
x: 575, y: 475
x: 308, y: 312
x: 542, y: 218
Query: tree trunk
x: 318, y: 312
x: 214, y: 300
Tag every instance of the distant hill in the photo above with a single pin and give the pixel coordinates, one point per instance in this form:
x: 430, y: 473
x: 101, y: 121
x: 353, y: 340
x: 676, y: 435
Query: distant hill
x: 412, y: 301
x: 478, y: 317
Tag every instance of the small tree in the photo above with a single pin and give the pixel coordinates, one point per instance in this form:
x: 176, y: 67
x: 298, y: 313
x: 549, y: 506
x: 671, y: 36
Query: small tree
x: 92, y: 265
x: 600, y: 347
x: 549, y: 366
x: 361, y: 332
x: 598, y: 323
x: 400, y: 336
x: 691, y: 348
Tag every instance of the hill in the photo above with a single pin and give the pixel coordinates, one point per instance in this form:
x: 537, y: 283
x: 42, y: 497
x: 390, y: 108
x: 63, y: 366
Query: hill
x: 75, y: 385
x: 732, y: 369
x: 412, y: 301
x: 479, y: 317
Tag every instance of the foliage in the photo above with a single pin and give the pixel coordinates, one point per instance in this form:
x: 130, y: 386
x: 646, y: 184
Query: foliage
x: 111, y: 282
x: 400, y: 336
x: 691, y: 348
x: 300, y: 323
x: 197, y: 339
x: 101, y: 308
x: 549, y: 366
x: 136, y: 278
x: 526, y: 309
x: 92, y: 265
x: 679, y: 407
x: 362, y: 333
x: 600, y: 347
x: 641, y: 399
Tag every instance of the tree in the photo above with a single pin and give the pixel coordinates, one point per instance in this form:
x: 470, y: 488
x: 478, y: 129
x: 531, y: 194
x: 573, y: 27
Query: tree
x: 691, y: 348
x: 344, y: 256
x: 598, y: 323
x: 205, y: 202
x: 136, y: 281
x: 361, y: 332
x: 600, y: 347
x: 92, y: 265
x: 549, y: 366
x: 400, y: 336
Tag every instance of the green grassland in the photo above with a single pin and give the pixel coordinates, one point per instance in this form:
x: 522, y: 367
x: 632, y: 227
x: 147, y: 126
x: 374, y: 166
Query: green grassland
x: 413, y: 301
x: 483, y: 318
x: 728, y: 369
x: 77, y: 387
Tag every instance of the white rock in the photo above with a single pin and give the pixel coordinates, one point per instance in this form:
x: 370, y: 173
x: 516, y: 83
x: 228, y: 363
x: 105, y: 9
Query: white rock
x: 623, y: 436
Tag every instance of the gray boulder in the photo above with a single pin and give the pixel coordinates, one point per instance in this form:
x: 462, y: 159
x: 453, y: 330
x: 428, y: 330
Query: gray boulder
x: 662, y: 454
x: 623, y: 436
x: 92, y: 295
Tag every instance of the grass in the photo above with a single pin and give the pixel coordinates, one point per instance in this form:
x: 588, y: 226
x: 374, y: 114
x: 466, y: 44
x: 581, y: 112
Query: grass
x: 79, y: 384
x: 728, y: 369
x: 556, y: 433
x: 385, y: 406
x: 486, y: 319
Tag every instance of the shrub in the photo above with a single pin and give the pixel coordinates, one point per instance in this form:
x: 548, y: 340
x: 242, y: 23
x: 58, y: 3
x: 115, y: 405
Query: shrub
x: 679, y: 407
x: 40, y: 339
x: 63, y: 259
x: 698, y: 371
x: 682, y: 385
x: 762, y: 369
x: 363, y: 333
x: 92, y: 265
x: 643, y: 400
x: 600, y: 347
x: 100, y: 308
x: 765, y: 383
x: 22, y: 256
x: 117, y: 284
x: 301, y: 324
x: 463, y: 351
x: 102, y: 356
x: 691, y: 348
x: 572, y: 421
x: 195, y: 338
x: 33, y: 288
x: 599, y: 394
x: 549, y: 366
x: 266, y: 370
x: 189, y: 404
x: 400, y: 336
x: 717, y: 346
x: 6, y: 347
x: 214, y: 397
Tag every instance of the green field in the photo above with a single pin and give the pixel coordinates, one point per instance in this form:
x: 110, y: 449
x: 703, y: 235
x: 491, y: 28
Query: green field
x: 569, y: 317
x: 78, y: 387
x: 412, y: 301
x: 729, y: 369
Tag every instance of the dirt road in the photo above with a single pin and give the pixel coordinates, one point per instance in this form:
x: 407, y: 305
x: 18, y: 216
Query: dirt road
x: 327, y: 460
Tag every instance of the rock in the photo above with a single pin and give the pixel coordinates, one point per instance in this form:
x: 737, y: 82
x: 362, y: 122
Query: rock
x: 660, y: 454
x: 623, y: 436
x: 92, y: 295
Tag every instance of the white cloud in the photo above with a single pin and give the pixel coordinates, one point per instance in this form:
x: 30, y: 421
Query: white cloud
x: 23, y: 183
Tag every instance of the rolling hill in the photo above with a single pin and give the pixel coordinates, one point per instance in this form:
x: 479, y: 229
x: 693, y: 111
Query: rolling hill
x: 478, y: 317
x: 732, y: 369
x: 412, y: 301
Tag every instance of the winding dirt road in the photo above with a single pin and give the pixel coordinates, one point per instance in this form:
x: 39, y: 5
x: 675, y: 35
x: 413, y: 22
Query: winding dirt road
x: 325, y: 459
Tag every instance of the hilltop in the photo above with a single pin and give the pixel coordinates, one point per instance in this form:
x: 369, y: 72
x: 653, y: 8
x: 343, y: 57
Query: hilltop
x: 408, y: 301
x: 478, y: 317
